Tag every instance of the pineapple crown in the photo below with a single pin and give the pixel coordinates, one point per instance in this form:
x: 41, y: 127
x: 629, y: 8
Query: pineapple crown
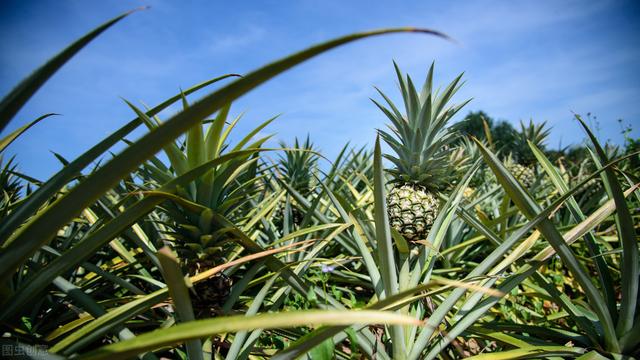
x: 534, y: 133
x: 10, y: 184
x: 297, y: 167
x: 420, y: 139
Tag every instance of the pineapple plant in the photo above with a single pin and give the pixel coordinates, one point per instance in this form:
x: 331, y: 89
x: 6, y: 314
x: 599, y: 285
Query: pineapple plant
x: 422, y: 143
x: 459, y: 161
x: 591, y: 193
x: 352, y: 166
x: 224, y: 190
x: 296, y: 168
x: 534, y: 133
x: 524, y: 174
x: 468, y: 153
x: 521, y: 162
x: 523, y: 165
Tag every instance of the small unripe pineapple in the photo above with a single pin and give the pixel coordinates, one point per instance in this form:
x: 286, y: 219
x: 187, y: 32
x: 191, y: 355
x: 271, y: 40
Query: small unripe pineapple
x: 412, y: 210
x: 591, y: 188
x: 523, y: 174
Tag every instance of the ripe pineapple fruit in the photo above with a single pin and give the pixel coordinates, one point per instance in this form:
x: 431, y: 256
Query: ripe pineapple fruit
x: 422, y: 145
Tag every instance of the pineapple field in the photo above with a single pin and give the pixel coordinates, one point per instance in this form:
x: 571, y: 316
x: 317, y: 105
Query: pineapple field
x: 443, y: 239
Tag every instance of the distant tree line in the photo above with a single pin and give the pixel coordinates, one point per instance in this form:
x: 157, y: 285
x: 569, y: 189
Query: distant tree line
x: 511, y: 141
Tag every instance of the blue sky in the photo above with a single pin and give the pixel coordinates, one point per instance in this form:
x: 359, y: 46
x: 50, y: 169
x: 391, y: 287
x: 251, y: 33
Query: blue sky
x: 522, y: 60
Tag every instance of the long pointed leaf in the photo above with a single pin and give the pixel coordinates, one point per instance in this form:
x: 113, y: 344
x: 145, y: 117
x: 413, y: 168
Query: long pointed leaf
x: 180, y: 295
x: 14, y: 101
x: 201, y: 328
x: 7, y: 140
x: 626, y: 232
x: 56, y: 182
x: 530, y: 209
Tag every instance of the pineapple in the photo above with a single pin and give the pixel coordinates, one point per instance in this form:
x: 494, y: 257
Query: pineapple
x: 523, y: 168
x: 593, y: 187
x: 201, y: 248
x: 521, y: 162
x: 524, y: 174
x: 423, y: 151
x: 412, y: 210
